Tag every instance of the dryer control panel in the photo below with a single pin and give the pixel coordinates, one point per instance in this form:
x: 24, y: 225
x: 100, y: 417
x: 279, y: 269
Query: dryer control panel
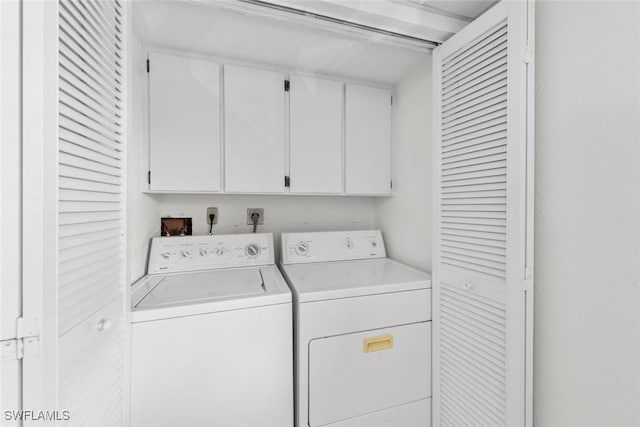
x: 332, y: 246
x: 192, y: 253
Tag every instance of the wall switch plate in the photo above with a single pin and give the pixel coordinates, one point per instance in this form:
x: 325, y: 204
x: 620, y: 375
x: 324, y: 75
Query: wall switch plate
x: 213, y: 211
x: 251, y: 211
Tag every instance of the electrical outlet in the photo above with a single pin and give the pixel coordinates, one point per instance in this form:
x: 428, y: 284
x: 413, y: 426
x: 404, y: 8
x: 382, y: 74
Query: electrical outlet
x: 251, y: 211
x: 214, y: 212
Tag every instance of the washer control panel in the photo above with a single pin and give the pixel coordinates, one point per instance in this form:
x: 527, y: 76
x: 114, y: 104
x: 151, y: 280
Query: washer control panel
x: 191, y: 253
x: 332, y: 246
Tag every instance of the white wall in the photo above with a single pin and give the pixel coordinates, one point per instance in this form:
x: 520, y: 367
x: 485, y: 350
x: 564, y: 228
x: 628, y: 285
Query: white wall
x: 281, y: 213
x: 587, y: 223
x: 405, y: 218
x: 141, y: 208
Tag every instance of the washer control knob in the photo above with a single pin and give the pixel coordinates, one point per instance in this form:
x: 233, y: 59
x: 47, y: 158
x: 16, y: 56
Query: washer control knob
x: 349, y: 244
x: 220, y: 251
x: 302, y: 248
x: 166, y: 255
x: 203, y: 252
x: 184, y: 254
x: 374, y: 244
x: 252, y: 250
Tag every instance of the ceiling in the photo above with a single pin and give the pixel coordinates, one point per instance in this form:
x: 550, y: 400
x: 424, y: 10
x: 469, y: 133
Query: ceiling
x: 467, y: 9
x: 248, y: 32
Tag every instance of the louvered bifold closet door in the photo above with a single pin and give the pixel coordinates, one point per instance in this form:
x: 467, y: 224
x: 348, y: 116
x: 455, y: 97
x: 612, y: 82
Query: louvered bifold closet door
x: 91, y: 210
x: 480, y: 283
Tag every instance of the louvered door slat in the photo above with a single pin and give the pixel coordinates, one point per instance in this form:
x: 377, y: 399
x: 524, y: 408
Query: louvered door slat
x: 473, y: 147
x: 483, y: 116
x: 77, y: 111
x: 479, y: 251
x: 86, y: 228
x: 86, y: 238
x: 473, y: 110
x: 480, y: 94
x: 73, y: 28
x: 485, y: 395
x: 471, y: 361
x: 477, y: 86
x: 95, y: 27
x: 88, y: 175
x: 87, y: 153
x: 489, y: 323
x: 86, y: 273
x: 87, y: 145
x: 87, y: 196
x: 458, y: 225
x: 88, y: 131
x: 486, y: 41
x: 472, y: 79
x: 476, y: 54
x: 90, y: 94
x: 81, y: 162
x: 82, y: 184
x: 82, y: 265
x: 79, y: 56
x: 487, y: 133
x: 91, y: 260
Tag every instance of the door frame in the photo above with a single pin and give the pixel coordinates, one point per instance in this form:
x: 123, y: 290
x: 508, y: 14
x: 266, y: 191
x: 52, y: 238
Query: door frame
x: 10, y: 209
x: 40, y: 194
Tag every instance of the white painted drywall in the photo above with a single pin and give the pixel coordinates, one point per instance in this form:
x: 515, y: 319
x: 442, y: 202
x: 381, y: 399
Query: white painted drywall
x: 140, y: 207
x: 587, y: 214
x: 405, y: 218
x: 281, y: 213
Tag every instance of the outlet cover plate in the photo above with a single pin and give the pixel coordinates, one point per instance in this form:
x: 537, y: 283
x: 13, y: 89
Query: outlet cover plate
x: 213, y: 211
x: 259, y: 211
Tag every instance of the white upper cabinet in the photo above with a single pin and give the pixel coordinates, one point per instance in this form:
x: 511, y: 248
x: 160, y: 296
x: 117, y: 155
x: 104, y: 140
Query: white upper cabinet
x: 184, y: 110
x: 254, y: 130
x: 229, y: 128
x: 316, y: 112
x: 367, y: 140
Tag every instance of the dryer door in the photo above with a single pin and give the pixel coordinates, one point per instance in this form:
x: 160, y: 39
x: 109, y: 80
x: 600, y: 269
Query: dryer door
x: 356, y: 374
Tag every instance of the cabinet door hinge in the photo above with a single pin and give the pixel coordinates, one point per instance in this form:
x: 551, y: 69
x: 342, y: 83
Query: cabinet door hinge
x: 148, y: 66
x: 287, y: 85
x: 391, y: 184
x: 149, y: 177
x: 287, y: 181
x: 392, y: 100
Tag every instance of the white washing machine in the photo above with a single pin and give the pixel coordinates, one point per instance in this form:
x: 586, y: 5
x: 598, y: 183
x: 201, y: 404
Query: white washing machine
x: 211, y: 335
x: 362, y: 332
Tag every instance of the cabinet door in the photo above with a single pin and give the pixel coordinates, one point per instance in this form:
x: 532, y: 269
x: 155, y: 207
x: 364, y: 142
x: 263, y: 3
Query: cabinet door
x: 254, y: 130
x: 367, y: 140
x: 184, y: 100
x: 316, y: 135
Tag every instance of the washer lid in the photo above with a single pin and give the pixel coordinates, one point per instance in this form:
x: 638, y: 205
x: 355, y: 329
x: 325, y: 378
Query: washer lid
x: 204, y: 286
x: 344, y: 279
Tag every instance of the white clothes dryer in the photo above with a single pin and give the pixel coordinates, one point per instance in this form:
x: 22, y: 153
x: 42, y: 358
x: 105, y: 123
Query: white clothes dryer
x: 211, y: 335
x: 362, y: 332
